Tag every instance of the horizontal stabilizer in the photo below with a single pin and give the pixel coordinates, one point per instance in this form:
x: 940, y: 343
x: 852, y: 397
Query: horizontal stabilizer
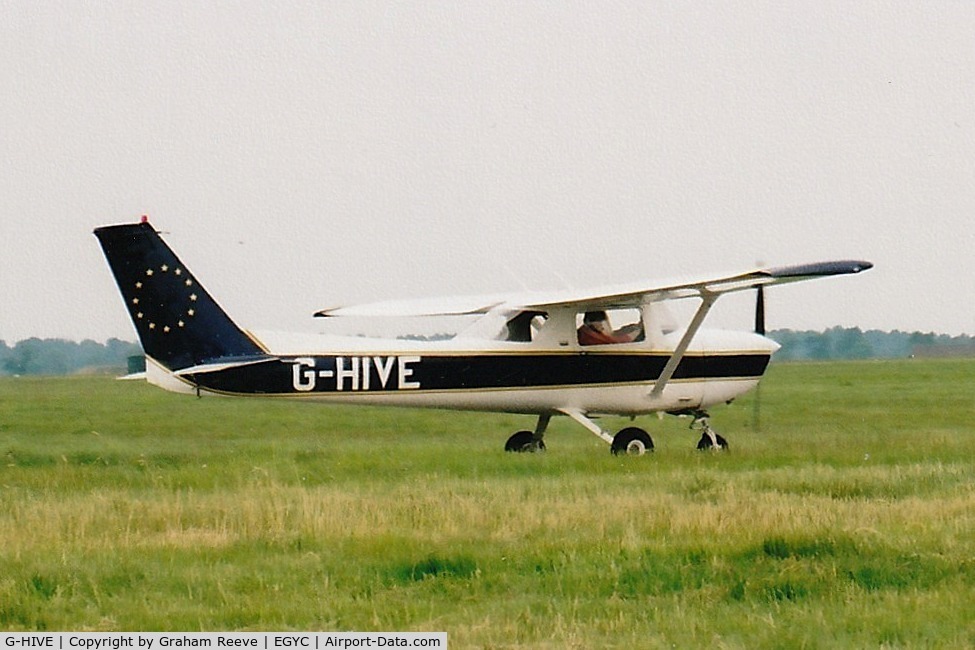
x: 225, y: 365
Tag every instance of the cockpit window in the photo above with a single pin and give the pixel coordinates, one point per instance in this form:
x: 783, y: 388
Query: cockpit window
x: 599, y: 327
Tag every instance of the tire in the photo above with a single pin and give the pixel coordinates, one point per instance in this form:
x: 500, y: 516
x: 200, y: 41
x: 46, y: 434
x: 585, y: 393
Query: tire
x: 704, y: 444
x: 524, y: 442
x: 632, y: 441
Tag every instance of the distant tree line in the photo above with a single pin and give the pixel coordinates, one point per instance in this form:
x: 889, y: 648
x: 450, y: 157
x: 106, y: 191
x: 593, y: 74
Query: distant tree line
x: 61, y: 357
x: 853, y: 343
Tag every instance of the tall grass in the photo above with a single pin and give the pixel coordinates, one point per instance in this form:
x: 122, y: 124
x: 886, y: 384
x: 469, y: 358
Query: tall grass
x: 846, y: 519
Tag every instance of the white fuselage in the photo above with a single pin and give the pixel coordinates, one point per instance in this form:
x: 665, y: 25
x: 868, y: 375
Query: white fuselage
x: 489, y: 375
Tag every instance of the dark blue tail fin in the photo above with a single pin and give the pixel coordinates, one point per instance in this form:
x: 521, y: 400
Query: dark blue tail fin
x: 179, y: 324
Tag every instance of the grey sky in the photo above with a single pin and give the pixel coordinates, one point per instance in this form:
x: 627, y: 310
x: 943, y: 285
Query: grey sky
x: 310, y: 154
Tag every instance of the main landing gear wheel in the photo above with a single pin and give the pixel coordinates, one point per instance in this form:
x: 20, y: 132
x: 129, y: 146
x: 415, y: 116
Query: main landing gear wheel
x: 632, y: 441
x: 524, y: 442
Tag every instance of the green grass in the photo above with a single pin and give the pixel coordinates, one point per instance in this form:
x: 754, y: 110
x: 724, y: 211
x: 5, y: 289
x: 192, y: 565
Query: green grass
x: 847, y: 519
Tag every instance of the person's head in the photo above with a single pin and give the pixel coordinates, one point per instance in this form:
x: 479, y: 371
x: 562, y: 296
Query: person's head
x: 597, y: 320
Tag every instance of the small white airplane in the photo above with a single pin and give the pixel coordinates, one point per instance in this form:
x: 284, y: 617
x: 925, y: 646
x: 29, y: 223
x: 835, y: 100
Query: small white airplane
x: 541, y: 354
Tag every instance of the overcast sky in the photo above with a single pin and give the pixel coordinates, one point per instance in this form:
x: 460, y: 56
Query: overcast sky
x: 303, y: 155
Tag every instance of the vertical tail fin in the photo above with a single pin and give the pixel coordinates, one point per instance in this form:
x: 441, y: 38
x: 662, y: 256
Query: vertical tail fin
x: 179, y: 324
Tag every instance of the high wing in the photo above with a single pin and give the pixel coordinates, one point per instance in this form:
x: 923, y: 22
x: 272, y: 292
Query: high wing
x: 452, y: 306
x: 604, y: 298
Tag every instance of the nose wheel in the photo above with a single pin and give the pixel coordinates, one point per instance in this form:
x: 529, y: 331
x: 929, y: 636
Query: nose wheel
x: 710, y: 440
x: 717, y: 443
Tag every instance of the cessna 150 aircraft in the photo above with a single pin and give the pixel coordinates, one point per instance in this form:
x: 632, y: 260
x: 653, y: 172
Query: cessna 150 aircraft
x: 534, y: 353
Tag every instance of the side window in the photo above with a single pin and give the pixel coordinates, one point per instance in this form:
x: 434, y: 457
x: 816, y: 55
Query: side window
x: 523, y: 327
x: 609, y: 327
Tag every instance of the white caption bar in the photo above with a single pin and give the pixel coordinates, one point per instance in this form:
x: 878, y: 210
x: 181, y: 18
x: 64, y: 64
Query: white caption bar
x: 218, y: 640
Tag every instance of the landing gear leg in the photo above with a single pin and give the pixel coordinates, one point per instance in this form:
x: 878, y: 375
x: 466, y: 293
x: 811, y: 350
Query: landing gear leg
x: 529, y: 441
x: 632, y: 441
x: 709, y: 437
x: 539, y: 433
x: 581, y: 418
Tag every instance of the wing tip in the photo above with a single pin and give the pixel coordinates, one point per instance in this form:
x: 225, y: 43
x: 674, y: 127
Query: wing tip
x: 820, y: 269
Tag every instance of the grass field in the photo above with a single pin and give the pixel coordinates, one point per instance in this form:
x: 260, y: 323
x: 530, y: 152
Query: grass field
x: 846, y: 520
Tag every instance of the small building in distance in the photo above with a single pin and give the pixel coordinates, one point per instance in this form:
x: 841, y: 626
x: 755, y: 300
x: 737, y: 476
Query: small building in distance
x: 944, y: 351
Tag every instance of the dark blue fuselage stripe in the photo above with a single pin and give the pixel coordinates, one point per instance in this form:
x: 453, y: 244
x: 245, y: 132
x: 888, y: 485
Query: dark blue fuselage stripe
x: 326, y: 374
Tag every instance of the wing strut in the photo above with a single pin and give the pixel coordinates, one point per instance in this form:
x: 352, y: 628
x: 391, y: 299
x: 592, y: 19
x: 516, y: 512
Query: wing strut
x: 708, y: 299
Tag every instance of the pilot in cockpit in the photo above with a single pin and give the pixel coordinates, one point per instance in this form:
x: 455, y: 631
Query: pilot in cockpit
x: 597, y: 330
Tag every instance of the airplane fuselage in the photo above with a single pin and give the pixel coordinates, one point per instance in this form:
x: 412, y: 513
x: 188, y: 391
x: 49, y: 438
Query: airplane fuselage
x: 508, y: 377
